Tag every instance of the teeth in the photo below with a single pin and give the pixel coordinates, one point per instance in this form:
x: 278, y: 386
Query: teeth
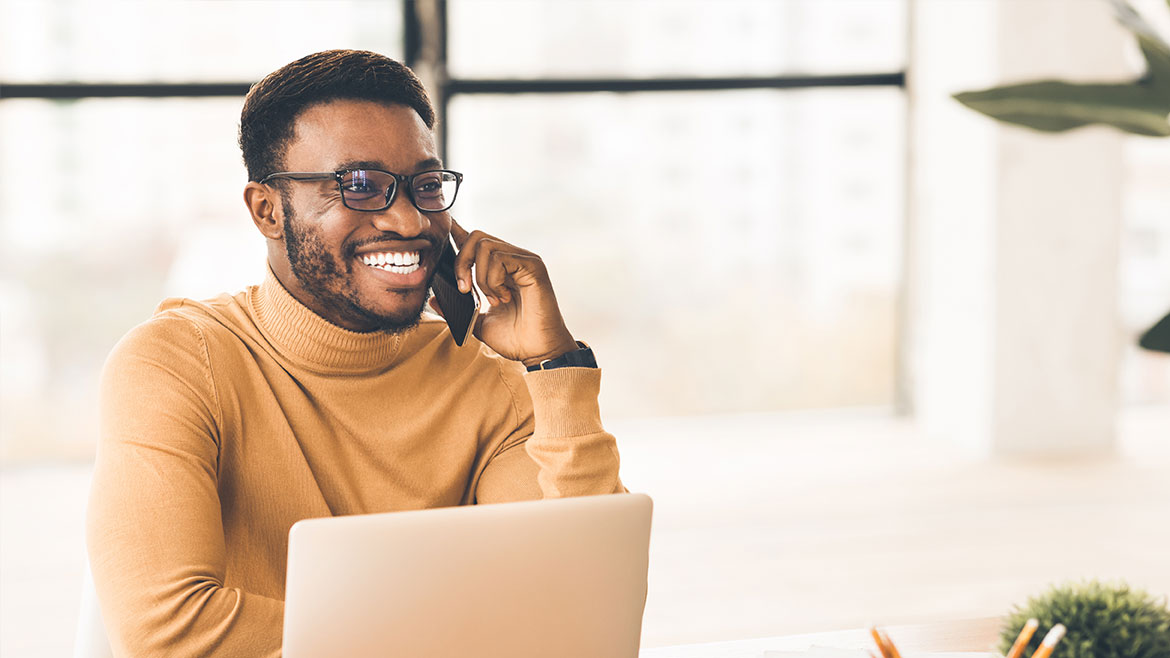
x: 398, y: 269
x: 397, y: 262
x: 387, y: 260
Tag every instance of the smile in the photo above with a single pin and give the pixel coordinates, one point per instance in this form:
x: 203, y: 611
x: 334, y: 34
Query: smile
x: 397, y: 262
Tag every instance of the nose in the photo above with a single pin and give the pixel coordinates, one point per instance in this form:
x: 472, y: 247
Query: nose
x: 401, y: 217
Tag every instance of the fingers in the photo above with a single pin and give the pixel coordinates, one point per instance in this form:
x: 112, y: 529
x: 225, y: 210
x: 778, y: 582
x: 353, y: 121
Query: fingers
x: 501, y: 269
x: 493, y: 269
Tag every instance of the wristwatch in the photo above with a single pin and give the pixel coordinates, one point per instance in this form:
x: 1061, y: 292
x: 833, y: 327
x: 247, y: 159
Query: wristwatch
x: 578, y: 358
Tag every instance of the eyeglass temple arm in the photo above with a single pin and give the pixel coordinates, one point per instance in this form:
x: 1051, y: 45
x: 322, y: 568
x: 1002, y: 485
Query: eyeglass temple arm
x: 302, y: 175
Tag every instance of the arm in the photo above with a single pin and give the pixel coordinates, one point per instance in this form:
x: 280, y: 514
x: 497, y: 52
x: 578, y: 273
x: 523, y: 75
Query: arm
x: 559, y: 447
x: 155, y: 538
x: 558, y: 441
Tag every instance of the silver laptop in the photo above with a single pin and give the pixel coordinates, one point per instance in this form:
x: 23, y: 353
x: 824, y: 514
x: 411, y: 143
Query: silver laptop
x: 564, y: 578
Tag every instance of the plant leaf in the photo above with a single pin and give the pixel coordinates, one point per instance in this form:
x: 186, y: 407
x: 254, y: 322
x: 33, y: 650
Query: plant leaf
x: 1134, y: 22
x: 1157, y: 76
x: 1056, y: 106
x: 1154, y: 48
x: 1157, y: 337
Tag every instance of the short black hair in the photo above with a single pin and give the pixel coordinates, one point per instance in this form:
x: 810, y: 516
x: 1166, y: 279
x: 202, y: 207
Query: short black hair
x: 273, y: 104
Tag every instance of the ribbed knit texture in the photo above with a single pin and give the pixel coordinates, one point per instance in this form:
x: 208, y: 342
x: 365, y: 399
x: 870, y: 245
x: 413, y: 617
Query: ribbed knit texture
x: 312, y: 341
x: 224, y: 422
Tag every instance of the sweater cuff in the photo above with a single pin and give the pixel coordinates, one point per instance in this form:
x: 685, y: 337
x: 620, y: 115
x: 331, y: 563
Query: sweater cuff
x: 564, y: 401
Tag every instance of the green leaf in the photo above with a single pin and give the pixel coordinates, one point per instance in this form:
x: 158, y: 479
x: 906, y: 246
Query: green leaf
x: 1055, y: 106
x: 1157, y: 337
x: 1157, y: 56
x: 1154, y: 48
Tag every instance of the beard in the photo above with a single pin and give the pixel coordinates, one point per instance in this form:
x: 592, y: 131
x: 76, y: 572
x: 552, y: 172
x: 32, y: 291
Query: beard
x: 329, y: 281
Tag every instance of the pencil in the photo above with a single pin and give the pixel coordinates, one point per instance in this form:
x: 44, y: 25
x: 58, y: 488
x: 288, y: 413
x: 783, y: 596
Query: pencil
x: 890, y: 645
x: 1023, y: 639
x: 877, y: 637
x: 1049, y: 642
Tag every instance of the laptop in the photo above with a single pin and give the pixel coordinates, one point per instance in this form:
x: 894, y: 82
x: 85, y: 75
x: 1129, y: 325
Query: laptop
x: 563, y: 578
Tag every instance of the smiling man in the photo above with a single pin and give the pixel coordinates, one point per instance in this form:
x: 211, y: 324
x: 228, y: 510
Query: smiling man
x: 326, y: 389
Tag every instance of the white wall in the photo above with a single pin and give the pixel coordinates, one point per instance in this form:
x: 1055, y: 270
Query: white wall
x: 1012, y: 336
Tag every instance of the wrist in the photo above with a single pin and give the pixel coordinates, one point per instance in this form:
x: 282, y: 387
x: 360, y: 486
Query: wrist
x: 582, y: 357
x: 564, y: 347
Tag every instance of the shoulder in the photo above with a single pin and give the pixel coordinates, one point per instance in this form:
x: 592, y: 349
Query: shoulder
x: 176, y: 336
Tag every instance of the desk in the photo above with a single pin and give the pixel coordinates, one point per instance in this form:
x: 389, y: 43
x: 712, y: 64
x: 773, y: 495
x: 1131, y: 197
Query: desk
x: 965, y: 635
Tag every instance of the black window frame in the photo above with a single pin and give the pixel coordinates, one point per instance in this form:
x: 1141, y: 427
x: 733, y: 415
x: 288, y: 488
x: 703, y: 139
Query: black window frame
x: 424, y: 40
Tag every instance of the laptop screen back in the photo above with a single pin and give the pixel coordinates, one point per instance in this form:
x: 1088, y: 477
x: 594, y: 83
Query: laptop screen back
x: 560, y: 578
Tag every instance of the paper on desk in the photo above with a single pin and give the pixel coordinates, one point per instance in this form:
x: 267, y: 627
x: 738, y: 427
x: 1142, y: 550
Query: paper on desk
x: 756, y: 649
x: 830, y: 652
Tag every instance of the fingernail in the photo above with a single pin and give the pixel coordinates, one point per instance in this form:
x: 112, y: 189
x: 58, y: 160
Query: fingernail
x: 462, y: 285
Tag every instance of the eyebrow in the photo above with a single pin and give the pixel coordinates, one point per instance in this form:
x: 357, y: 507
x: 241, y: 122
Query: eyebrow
x: 421, y: 165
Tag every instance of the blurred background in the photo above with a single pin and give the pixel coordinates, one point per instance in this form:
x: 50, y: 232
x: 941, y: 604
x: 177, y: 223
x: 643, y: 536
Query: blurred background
x: 873, y: 354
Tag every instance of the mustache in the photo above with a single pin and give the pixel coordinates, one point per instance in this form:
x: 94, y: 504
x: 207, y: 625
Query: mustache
x: 352, y: 247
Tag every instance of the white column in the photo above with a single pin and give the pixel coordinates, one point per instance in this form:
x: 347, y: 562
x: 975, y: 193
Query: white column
x: 1012, y: 258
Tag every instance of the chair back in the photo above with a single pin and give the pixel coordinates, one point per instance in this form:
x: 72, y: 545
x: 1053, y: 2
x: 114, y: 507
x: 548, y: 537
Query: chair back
x: 91, y: 641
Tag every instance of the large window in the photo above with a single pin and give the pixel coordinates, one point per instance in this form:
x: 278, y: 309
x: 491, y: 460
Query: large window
x: 721, y: 182
x: 723, y: 251
x: 108, y: 205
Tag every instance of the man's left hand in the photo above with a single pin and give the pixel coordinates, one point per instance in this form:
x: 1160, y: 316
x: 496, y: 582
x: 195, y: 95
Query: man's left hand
x: 523, y: 321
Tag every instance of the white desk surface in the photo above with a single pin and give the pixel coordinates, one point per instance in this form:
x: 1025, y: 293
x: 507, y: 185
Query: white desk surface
x: 968, y: 635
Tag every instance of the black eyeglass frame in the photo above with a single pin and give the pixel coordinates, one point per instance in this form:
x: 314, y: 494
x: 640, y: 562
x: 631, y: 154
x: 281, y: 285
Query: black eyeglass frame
x: 339, y: 176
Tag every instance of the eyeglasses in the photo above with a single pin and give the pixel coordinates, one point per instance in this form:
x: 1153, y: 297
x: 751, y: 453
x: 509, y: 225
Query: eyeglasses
x: 371, y: 190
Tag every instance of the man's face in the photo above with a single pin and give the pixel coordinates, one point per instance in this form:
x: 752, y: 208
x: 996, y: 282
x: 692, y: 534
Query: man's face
x: 327, y: 246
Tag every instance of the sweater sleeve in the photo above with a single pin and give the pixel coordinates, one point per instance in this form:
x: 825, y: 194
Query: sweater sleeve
x: 154, y: 532
x: 560, y: 448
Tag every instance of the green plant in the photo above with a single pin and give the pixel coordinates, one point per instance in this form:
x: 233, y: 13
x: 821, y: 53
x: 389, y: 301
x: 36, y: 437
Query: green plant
x: 1138, y: 106
x: 1103, y: 620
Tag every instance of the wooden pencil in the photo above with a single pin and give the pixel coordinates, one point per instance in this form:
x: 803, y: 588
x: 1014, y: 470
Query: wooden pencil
x: 1023, y: 638
x: 1049, y: 642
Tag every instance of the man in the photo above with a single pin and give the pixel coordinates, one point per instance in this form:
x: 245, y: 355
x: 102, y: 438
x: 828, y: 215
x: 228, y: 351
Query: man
x: 325, y: 390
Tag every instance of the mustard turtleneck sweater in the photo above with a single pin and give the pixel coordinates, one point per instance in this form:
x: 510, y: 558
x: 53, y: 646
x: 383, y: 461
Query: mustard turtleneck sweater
x: 226, y: 421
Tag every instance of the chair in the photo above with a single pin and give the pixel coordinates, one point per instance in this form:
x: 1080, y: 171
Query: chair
x: 91, y: 640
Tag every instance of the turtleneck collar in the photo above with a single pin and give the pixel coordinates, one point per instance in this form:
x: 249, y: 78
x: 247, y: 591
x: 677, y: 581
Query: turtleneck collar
x: 312, y: 341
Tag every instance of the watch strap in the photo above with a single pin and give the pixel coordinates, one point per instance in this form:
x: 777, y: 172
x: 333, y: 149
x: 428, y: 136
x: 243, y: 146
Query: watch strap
x: 578, y: 358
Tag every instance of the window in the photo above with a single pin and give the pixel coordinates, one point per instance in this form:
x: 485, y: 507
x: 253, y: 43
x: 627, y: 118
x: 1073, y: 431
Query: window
x: 730, y: 249
x: 108, y: 205
x: 727, y: 231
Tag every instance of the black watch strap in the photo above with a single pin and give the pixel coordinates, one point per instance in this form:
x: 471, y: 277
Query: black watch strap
x: 578, y: 358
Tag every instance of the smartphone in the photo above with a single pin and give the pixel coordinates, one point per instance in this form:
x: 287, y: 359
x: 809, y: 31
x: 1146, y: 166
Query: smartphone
x: 459, y: 308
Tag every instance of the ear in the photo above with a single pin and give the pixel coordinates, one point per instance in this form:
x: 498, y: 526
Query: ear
x: 264, y: 203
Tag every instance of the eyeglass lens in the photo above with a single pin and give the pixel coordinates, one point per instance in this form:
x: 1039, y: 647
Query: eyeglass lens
x: 369, y: 189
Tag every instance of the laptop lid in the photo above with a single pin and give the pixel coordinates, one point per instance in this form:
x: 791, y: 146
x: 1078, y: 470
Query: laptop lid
x: 562, y: 578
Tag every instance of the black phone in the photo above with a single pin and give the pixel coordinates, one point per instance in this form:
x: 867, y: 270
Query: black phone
x: 459, y: 308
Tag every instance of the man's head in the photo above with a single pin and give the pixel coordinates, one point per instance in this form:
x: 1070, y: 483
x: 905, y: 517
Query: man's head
x: 274, y: 103
x: 333, y: 111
